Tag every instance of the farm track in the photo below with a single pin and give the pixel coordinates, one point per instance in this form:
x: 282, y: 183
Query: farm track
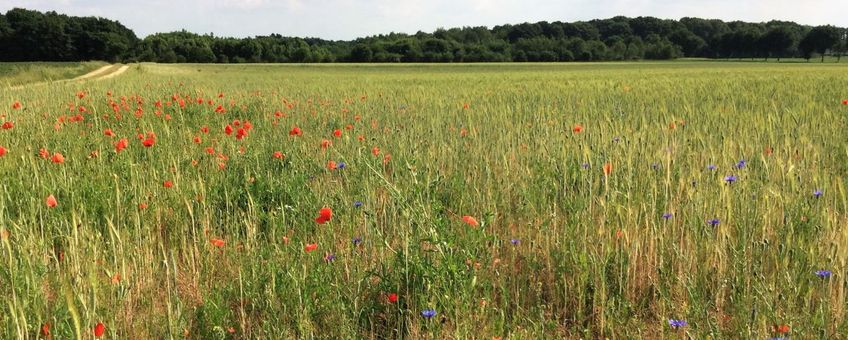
x: 105, y: 72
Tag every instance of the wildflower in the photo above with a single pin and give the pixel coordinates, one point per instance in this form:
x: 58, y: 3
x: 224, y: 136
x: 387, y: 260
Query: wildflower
x: 781, y: 329
x: 730, y: 179
x: 45, y: 330
x: 2, y: 151
x: 310, y: 247
x: 295, y: 131
x: 711, y: 167
x: 817, y: 193
x: 677, y: 323
x: 823, y: 273
x: 325, y: 143
x: 470, y: 221
x: 667, y: 216
x: 51, y: 201
x: 845, y: 102
x: 58, y: 158
x: 515, y: 241
x: 713, y: 222
x: 99, y: 329
x: 357, y: 204
x: 337, y: 133
x: 741, y: 164
x: 577, y: 128
x: 607, y: 169
x: 329, y: 258
x: 356, y: 240
x: 375, y: 151
x: 168, y: 184
x: 341, y: 165
x: 428, y: 313
x: 393, y: 298
x: 584, y: 165
x: 278, y: 155
x: 16, y: 105
x: 8, y: 125
x: 228, y: 129
x: 109, y: 133
x: 324, y: 215
x: 331, y: 165
x: 217, y: 242
x: 150, y: 141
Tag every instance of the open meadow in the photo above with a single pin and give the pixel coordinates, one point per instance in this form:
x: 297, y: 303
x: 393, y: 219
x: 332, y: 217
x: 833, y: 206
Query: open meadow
x: 689, y: 199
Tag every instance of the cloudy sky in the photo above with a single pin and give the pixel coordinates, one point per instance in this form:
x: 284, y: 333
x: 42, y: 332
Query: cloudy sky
x: 347, y: 19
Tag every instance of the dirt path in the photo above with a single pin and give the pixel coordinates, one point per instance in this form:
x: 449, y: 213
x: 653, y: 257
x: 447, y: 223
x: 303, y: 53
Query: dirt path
x: 105, y: 72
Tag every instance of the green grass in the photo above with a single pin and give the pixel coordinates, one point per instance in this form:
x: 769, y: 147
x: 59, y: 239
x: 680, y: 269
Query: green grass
x: 13, y: 74
x: 594, y: 258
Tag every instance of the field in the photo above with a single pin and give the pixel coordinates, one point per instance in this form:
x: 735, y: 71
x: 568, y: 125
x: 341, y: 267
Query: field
x: 686, y: 199
x: 16, y: 74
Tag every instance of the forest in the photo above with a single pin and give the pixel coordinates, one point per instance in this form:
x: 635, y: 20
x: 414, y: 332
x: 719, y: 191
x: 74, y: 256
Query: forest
x: 27, y: 35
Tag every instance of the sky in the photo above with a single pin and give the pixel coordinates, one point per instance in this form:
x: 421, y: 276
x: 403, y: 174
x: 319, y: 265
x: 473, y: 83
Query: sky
x: 349, y: 19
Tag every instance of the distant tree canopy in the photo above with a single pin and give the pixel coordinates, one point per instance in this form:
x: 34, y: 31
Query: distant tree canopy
x: 27, y: 35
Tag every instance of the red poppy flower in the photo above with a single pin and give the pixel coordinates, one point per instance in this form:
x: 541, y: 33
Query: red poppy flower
x: 16, y: 105
x: 99, y: 329
x: 331, y: 165
x: 217, y: 242
x: 324, y: 215
x: 278, y: 155
x: 845, y: 102
x: 8, y: 125
x: 142, y: 205
x: 375, y: 151
x: 228, y: 129
x: 349, y: 127
x: 310, y: 247
x: 108, y: 132
x: 210, y: 150
x: 2, y: 151
x: 121, y: 145
x: 337, y: 133
x: 43, y: 153
x: 148, y: 142
x: 295, y: 131
x: 782, y: 329
x: 241, y: 133
x: 325, y: 144
x: 577, y: 128
x: 51, y: 201
x: 607, y: 169
x: 58, y: 158
x: 45, y: 329
x: 168, y: 184
x: 204, y: 129
x: 470, y: 221
x: 197, y: 139
x: 393, y: 298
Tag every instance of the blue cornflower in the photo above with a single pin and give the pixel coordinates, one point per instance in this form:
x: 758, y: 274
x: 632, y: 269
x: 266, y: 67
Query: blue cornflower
x: 711, y: 167
x: 584, y: 165
x: 823, y: 273
x: 356, y: 241
x: 330, y: 258
x: 713, y: 222
x: 357, y: 204
x: 677, y: 323
x: 515, y: 241
x: 741, y: 164
x: 667, y: 215
x: 730, y: 179
x: 817, y: 193
x: 428, y: 313
x: 341, y: 165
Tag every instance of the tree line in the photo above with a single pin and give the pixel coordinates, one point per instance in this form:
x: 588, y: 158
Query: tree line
x: 27, y: 35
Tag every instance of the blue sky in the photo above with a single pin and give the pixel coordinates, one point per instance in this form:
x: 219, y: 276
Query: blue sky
x: 347, y: 19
